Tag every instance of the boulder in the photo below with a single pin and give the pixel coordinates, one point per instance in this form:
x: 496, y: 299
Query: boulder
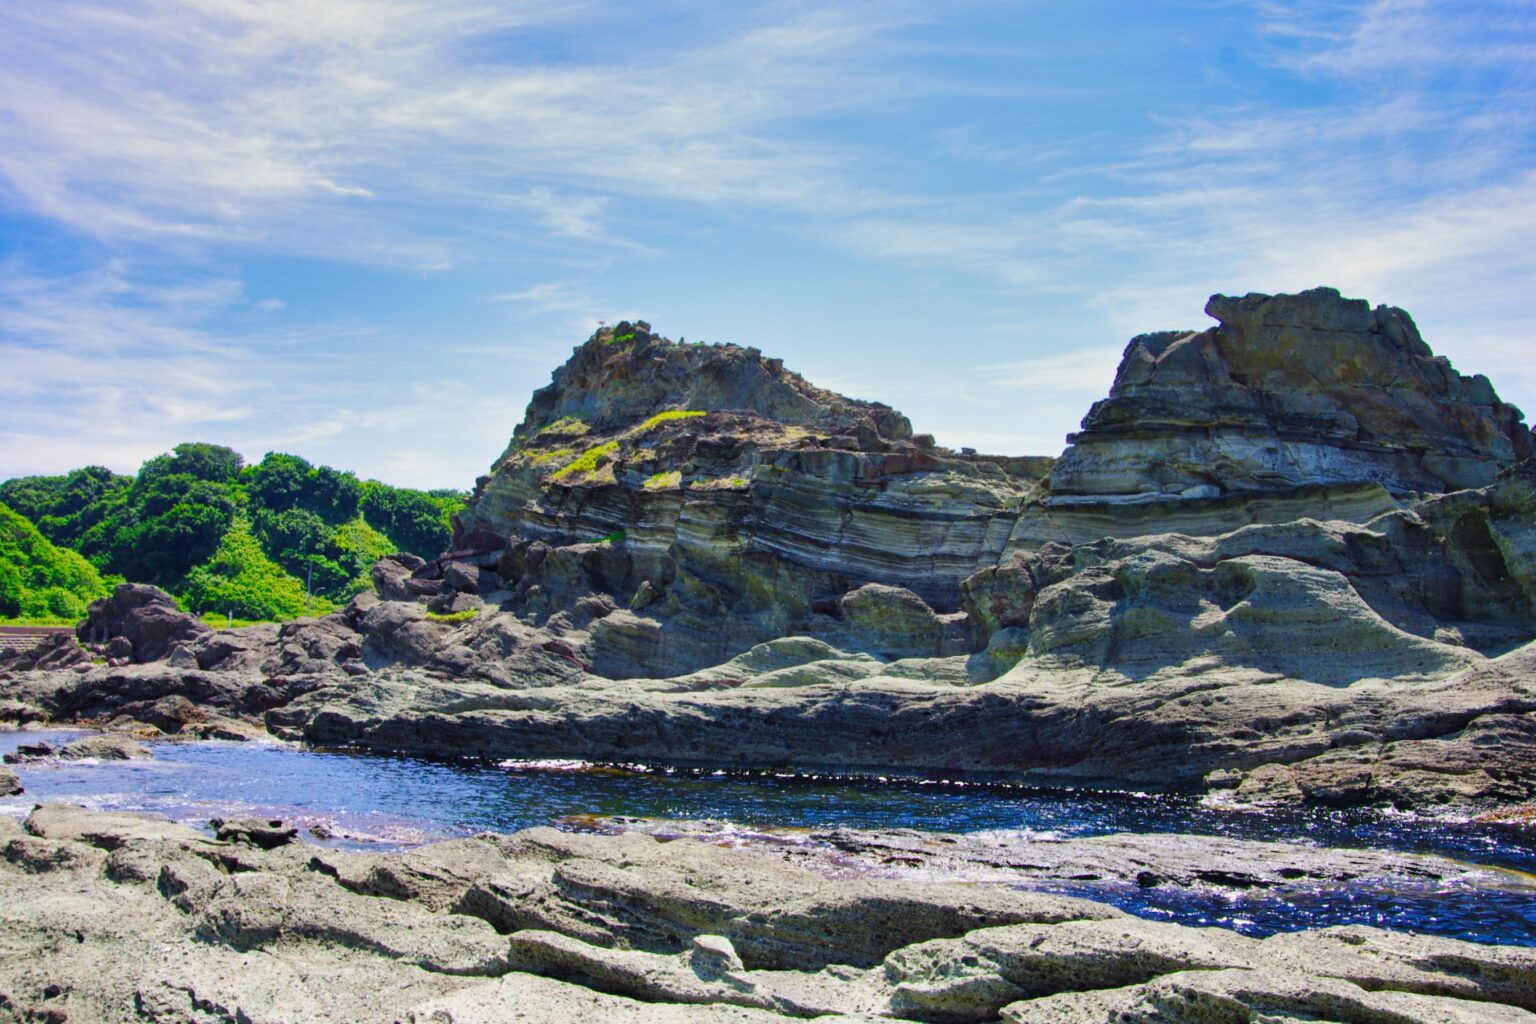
x: 263, y: 833
x: 390, y: 574
x: 10, y: 785
x: 892, y: 621
x: 24, y: 752
x: 105, y: 747
x: 56, y: 651
x: 465, y: 577
x: 147, y: 617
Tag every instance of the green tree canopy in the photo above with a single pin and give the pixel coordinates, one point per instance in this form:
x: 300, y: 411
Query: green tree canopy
x: 177, y: 515
x: 241, y: 580
x: 39, y: 580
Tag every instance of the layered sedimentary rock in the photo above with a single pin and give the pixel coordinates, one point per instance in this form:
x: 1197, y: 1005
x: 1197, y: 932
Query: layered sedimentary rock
x: 1290, y: 391
x: 728, y: 498
x: 690, y: 554
x: 115, y: 917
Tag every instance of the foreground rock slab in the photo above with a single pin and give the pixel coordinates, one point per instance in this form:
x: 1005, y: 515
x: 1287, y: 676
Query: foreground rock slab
x: 116, y: 917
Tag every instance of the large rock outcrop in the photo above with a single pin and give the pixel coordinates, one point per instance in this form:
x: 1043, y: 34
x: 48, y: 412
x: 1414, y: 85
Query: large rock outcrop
x: 146, y: 619
x: 691, y: 555
x: 726, y: 497
x: 1290, y: 391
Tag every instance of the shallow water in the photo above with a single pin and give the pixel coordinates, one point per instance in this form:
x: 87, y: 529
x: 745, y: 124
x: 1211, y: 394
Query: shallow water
x: 372, y: 802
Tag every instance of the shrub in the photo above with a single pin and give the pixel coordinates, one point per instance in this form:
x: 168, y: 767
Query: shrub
x: 241, y: 580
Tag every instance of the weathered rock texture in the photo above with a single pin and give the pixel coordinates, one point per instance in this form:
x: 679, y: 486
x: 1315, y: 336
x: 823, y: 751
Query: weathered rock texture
x: 1290, y: 391
x: 690, y: 554
x: 146, y: 617
x: 114, y: 917
x: 727, y: 501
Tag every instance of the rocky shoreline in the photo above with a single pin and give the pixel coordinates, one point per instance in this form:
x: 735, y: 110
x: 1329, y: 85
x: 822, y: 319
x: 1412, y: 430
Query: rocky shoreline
x: 116, y: 917
x: 1289, y: 560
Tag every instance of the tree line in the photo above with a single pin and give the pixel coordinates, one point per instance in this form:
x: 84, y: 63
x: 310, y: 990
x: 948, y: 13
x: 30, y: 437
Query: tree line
x: 225, y: 537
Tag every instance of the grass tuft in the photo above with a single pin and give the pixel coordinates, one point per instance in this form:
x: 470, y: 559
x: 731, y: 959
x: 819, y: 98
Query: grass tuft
x: 566, y: 426
x: 587, y: 461
x: 452, y: 618
x: 667, y: 417
x: 664, y: 481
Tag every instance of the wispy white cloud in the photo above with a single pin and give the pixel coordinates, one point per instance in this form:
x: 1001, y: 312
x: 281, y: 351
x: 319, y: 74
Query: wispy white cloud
x: 112, y: 366
x: 454, y: 136
x: 241, y: 121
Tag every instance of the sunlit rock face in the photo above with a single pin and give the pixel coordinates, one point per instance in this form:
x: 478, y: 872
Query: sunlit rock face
x: 722, y: 500
x: 682, y: 503
x: 691, y: 555
x: 1290, y: 391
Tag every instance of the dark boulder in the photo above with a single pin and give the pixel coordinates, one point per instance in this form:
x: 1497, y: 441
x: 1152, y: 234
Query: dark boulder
x: 390, y: 574
x: 144, y: 615
x: 263, y: 833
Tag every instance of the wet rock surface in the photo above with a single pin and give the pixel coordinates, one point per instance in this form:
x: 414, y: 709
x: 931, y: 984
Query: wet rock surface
x: 1212, y: 864
x: 129, y: 917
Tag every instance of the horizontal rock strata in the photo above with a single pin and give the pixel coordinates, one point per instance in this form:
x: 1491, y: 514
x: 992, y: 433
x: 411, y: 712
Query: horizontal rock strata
x: 1290, y: 390
x: 1259, y: 571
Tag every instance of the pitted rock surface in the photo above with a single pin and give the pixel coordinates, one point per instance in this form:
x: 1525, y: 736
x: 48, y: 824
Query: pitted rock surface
x: 118, y: 918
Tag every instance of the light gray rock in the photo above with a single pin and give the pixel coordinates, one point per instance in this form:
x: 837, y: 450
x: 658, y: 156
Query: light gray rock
x: 118, y: 918
x: 105, y: 747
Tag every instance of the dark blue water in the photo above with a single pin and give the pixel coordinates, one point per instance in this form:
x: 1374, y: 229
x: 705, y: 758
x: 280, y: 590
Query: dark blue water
x: 363, y: 802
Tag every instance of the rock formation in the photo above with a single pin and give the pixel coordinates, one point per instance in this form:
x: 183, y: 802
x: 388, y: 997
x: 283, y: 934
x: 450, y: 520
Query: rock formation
x: 145, y: 617
x: 690, y: 554
x: 116, y: 917
x: 1290, y: 391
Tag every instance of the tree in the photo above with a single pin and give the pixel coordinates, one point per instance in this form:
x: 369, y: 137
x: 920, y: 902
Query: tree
x: 207, y: 462
x: 279, y: 482
x: 173, y: 521
x: 38, y: 579
x: 241, y: 580
x: 419, y: 522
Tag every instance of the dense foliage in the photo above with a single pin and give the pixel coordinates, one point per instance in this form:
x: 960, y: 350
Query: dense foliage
x: 195, y: 520
x: 240, y: 580
x: 39, y: 580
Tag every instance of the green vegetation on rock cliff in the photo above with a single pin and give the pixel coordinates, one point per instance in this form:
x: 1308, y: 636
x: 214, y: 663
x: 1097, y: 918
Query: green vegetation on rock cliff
x: 194, y: 520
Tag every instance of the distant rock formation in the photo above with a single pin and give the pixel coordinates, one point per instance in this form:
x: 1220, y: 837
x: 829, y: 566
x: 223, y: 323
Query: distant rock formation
x: 1290, y: 391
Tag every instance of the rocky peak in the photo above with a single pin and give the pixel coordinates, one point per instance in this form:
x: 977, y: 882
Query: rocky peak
x: 1290, y: 391
x: 624, y: 374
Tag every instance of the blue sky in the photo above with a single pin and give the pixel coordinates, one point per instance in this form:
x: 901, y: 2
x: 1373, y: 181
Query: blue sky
x: 364, y: 231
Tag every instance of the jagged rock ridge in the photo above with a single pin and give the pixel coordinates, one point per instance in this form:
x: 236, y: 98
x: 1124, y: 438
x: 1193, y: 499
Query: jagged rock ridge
x: 1290, y: 391
x: 715, y: 586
